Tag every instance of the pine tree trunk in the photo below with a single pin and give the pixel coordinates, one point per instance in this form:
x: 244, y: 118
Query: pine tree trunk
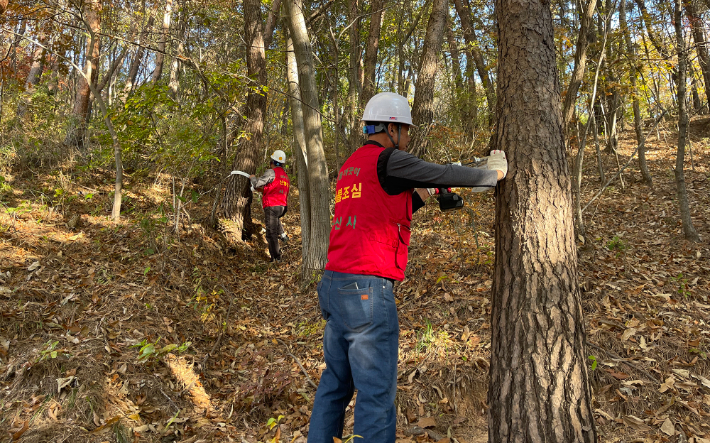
x: 299, y: 139
x: 238, y: 195
x: 539, y: 390
x: 689, y: 231
x: 77, y: 131
x: 317, y: 167
x: 160, y: 54
x: 423, y: 106
x: 580, y: 61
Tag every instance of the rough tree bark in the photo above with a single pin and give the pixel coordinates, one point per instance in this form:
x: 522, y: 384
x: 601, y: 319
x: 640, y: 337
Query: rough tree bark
x: 539, y: 390
x: 237, y: 194
x: 423, y: 106
x: 317, y: 168
x: 701, y: 44
x: 689, y: 231
x: 77, y: 131
x: 160, y: 54
x: 580, y: 61
x: 633, y: 73
x: 373, y: 40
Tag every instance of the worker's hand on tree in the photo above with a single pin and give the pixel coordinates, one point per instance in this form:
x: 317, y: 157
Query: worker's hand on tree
x: 498, y: 162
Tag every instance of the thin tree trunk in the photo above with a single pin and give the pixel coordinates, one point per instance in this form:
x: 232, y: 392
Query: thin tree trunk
x: 633, y: 73
x: 701, y: 44
x: 373, y: 42
x: 175, y: 65
x: 160, y: 54
x: 689, y: 231
x: 464, y: 12
x: 423, y: 106
x: 317, y: 167
x: 539, y: 389
x: 34, y: 75
x: 299, y: 139
x: 77, y: 132
x: 237, y: 195
x: 353, y: 77
x: 462, y: 100
x: 600, y: 164
x: 271, y: 21
x: 138, y: 58
x: 580, y: 61
x: 112, y: 70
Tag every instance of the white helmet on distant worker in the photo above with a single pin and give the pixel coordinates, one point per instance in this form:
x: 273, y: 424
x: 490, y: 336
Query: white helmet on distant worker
x: 388, y: 107
x: 279, y: 156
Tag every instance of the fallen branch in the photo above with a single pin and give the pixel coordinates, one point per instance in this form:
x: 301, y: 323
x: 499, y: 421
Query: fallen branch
x: 298, y: 362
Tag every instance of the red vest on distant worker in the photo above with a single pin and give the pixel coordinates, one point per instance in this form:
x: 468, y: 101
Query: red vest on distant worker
x: 276, y: 192
x: 370, y: 231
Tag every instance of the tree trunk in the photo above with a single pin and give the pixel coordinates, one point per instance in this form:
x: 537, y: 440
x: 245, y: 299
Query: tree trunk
x: 77, y: 131
x: 138, y: 58
x: 423, y: 106
x: 689, y: 231
x: 580, y: 61
x: 353, y: 77
x: 112, y: 70
x: 299, y: 140
x: 175, y: 65
x: 236, y: 199
x: 160, y: 55
x: 701, y: 44
x: 317, y: 167
x: 464, y: 12
x: 34, y: 75
x: 373, y: 41
x: 271, y: 21
x: 462, y: 99
x: 539, y: 390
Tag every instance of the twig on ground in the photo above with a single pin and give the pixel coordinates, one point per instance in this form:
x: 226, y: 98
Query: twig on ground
x: 226, y: 321
x: 298, y: 362
x: 618, y: 359
x: 169, y: 399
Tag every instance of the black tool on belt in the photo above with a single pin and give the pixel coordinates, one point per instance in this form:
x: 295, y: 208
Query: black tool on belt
x: 448, y: 200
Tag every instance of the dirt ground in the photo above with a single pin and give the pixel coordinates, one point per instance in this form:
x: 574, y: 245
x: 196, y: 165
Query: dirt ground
x: 133, y: 333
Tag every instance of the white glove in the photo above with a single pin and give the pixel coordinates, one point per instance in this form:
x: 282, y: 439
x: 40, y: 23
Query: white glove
x: 497, y: 162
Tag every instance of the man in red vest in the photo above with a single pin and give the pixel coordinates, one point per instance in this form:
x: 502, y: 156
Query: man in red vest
x: 378, y: 188
x: 274, y: 185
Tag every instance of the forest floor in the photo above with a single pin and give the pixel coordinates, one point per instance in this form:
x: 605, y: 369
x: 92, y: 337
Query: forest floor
x: 131, y: 333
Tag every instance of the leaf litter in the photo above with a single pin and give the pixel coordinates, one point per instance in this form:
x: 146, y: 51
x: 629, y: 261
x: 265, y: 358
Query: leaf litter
x: 79, y: 306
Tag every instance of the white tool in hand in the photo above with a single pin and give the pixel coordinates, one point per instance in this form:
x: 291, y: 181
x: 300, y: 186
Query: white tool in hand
x: 244, y: 174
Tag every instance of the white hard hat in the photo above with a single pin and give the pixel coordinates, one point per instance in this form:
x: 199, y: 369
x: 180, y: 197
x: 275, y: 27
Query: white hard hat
x: 387, y: 107
x: 279, y: 156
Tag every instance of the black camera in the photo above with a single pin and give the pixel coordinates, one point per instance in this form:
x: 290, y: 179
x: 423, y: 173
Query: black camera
x: 449, y: 200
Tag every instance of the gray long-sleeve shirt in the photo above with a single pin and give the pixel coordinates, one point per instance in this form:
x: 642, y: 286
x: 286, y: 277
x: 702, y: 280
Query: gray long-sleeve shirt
x: 264, y: 180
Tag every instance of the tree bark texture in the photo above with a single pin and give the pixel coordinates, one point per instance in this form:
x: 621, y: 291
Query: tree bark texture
x: 464, y: 12
x: 580, y: 61
x: 138, y: 57
x: 423, y: 106
x: 689, y: 231
x: 34, y: 75
x: 236, y: 200
x: 77, y: 132
x: 701, y: 44
x: 539, y: 390
x: 633, y: 74
x: 160, y: 54
x: 373, y: 39
x: 299, y: 149
x: 317, y: 167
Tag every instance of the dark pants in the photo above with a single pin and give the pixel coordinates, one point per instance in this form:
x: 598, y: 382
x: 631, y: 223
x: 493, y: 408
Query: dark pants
x: 272, y: 216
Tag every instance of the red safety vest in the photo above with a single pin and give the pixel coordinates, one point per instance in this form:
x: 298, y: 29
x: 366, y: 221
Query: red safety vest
x: 276, y: 192
x: 370, y: 231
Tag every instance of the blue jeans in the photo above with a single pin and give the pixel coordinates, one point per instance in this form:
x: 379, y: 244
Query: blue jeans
x: 360, y: 344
